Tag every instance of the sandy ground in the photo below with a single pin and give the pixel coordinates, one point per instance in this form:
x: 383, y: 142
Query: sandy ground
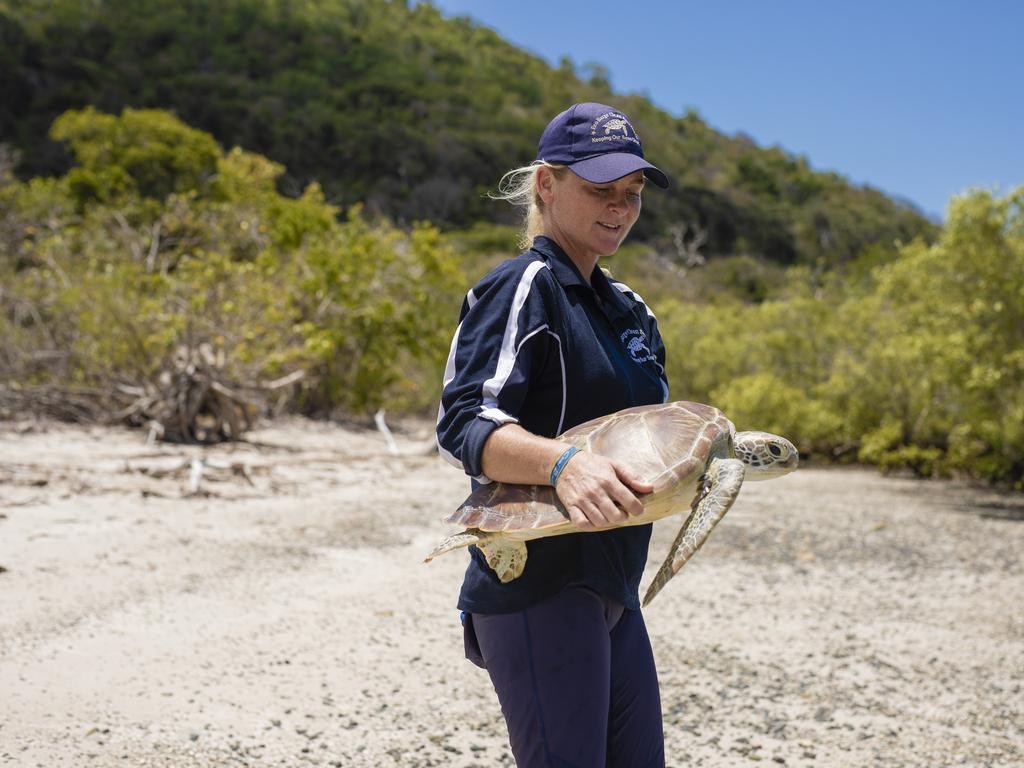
x: 282, y: 615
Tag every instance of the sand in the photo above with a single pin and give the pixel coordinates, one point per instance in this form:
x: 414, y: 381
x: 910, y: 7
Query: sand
x: 282, y: 614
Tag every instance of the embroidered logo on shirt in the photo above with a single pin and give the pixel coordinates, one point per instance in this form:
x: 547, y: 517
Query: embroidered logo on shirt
x: 636, y: 345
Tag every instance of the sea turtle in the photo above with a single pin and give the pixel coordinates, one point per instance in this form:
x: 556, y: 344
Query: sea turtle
x: 691, y: 454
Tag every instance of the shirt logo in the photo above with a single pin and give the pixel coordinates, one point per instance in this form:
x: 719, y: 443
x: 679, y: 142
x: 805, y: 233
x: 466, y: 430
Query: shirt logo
x: 636, y: 345
x: 612, y: 126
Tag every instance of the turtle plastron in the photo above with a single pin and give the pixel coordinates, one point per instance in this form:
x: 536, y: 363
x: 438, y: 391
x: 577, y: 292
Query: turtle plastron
x: 724, y: 478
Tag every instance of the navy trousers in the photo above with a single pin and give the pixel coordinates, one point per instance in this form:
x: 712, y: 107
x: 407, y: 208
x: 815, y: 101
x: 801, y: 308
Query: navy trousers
x: 576, y: 681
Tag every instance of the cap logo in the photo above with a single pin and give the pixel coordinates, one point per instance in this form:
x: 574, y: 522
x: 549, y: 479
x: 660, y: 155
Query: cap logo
x: 616, y: 125
x: 612, y: 126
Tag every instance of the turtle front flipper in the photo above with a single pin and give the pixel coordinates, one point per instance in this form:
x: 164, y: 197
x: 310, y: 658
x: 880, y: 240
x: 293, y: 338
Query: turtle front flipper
x: 724, y: 477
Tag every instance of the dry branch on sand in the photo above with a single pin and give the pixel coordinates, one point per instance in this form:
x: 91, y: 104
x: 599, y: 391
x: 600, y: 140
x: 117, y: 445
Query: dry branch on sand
x: 197, y: 469
x: 191, y: 401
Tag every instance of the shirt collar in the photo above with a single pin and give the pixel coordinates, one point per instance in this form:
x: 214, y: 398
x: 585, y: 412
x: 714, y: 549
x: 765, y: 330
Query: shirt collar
x: 564, y: 268
x: 567, y: 273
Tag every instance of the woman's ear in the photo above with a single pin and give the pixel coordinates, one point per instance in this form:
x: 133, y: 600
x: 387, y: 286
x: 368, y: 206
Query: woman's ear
x: 545, y: 184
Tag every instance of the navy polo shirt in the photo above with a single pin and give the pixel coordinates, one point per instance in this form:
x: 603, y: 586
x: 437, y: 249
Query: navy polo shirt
x: 538, y: 346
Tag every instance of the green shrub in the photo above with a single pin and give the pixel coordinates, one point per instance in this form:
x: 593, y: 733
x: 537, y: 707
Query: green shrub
x: 913, y: 361
x: 110, y: 284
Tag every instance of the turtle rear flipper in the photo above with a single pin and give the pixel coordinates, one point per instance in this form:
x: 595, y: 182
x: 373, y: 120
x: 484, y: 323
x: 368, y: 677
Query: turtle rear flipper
x: 725, y: 476
x: 506, y: 557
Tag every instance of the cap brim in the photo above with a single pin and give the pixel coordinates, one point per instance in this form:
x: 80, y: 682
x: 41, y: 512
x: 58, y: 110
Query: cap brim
x: 602, y: 169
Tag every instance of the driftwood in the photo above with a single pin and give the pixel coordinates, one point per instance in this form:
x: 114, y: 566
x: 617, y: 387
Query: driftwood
x: 423, y: 448
x: 196, y: 474
x: 382, y: 425
x: 170, y: 466
x: 191, y: 401
x: 79, y: 404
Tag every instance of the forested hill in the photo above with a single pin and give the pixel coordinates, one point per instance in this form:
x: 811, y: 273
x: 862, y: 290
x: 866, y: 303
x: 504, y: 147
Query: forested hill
x: 410, y: 113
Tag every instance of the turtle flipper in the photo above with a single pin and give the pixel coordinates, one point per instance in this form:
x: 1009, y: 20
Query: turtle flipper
x: 725, y: 476
x: 506, y: 557
x: 461, y: 539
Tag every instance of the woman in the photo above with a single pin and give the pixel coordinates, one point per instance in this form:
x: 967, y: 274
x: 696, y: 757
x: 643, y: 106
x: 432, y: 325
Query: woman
x: 546, y: 341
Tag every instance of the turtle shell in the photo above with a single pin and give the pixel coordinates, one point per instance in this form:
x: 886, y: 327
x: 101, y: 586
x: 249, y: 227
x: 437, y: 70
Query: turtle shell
x: 665, y: 444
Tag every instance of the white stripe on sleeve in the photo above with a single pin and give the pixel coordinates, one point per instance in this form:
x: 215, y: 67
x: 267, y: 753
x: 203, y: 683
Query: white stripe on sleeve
x: 561, y: 360
x: 449, y: 376
x: 509, y: 349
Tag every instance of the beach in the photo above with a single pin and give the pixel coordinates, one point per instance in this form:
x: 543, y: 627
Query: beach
x: 266, y: 604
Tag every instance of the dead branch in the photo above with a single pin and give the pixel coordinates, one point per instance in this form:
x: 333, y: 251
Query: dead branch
x: 382, y: 425
x: 688, y: 239
x: 193, y: 402
x: 195, y: 477
x: 424, y: 448
x: 154, y: 248
x: 130, y: 236
x: 284, y: 381
x: 64, y: 403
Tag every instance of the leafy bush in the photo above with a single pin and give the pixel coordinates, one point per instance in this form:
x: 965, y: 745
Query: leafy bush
x: 160, y: 248
x: 146, y: 152
x: 104, y: 286
x: 916, y: 362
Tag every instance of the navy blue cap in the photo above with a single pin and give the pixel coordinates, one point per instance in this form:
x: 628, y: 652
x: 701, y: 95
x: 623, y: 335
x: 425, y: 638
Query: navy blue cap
x: 598, y: 143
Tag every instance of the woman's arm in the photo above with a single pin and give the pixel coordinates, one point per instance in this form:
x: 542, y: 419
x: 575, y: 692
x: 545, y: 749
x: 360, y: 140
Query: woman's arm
x: 594, y: 489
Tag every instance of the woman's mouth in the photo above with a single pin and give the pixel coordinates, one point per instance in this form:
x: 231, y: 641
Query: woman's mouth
x: 610, y: 227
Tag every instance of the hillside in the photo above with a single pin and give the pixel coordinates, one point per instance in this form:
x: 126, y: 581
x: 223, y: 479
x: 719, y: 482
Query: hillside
x: 410, y: 113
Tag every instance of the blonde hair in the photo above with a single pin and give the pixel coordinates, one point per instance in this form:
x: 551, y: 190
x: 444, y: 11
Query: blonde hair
x: 519, y: 187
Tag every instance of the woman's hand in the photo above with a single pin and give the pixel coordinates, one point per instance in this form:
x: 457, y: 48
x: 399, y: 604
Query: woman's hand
x: 598, y: 492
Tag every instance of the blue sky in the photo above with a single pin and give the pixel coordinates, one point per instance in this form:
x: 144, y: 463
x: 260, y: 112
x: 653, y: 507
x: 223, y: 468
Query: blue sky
x: 920, y: 99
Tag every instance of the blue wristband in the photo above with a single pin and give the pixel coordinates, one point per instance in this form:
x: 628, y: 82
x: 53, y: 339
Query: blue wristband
x: 562, y: 461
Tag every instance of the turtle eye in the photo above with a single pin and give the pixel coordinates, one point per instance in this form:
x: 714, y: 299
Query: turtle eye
x: 775, y: 450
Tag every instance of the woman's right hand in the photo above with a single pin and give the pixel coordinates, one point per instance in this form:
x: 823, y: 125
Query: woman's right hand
x: 598, y: 492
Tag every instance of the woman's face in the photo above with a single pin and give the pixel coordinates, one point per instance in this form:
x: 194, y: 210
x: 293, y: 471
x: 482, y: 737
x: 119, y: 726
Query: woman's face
x: 589, y: 220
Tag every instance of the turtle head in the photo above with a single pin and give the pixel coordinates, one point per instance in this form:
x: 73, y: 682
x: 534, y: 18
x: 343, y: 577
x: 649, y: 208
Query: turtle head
x: 765, y: 455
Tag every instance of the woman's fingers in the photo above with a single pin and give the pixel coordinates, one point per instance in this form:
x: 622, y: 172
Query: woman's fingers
x: 579, y: 519
x: 612, y: 513
x: 596, y: 513
x: 632, y: 480
x: 629, y: 503
x: 587, y: 517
